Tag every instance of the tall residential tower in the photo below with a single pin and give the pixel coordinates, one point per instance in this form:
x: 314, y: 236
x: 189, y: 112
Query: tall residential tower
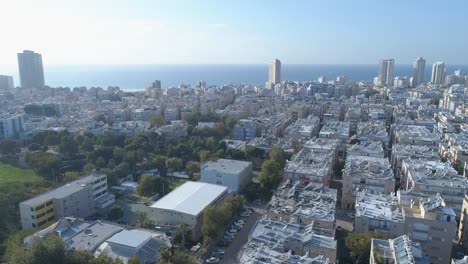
x: 30, y: 69
x: 438, y: 73
x: 418, y: 71
x: 275, y: 72
x: 386, y: 71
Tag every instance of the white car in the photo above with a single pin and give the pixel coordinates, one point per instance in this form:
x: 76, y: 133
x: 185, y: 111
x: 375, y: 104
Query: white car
x: 245, y: 214
x: 212, y: 260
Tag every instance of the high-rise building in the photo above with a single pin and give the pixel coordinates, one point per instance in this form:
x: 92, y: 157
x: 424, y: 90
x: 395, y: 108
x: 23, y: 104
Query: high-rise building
x: 386, y: 71
x: 6, y: 82
x: 418, y: 71
x: 30, y: 69
x: 275, y: 72
x: 438, y: 73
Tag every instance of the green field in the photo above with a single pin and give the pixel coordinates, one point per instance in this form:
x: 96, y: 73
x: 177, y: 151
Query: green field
x: 11, y: 174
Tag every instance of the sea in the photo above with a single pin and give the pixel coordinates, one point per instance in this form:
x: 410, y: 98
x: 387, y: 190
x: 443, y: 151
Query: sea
x: 137, y: 77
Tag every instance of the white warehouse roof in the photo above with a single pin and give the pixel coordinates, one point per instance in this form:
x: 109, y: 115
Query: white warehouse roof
x: 190, y: 198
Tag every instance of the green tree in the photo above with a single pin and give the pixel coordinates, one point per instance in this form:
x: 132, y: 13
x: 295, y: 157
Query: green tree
x: 459, y: 167
x: 45, y: 164
x: 157, y: 121
x: 143, y: 220
x: 134, y: 260
x: 204, y: 155
x: 7, y: 146
x: 88, y: 168
x: 71, y: 176
x: 192, y: 167
x: 174, y: 164
x: 277, y: 155
x: 182, y: 235
x: 68, y: 146
x: 175, y: 256
x: 116, y: 212
x: 359, y: 245
x: 270, y: 176
x: 151, y: 185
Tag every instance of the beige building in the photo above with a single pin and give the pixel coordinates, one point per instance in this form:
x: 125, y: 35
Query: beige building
x: 432, y: 223
x: 463, y: 227
x: 433, y: 177
x: 365, y: 173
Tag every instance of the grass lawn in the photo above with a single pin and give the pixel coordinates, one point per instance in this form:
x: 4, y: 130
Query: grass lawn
x: 11, y: 174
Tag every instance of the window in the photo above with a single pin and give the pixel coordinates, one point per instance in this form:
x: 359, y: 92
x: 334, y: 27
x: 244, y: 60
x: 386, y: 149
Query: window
x: 49, y: 203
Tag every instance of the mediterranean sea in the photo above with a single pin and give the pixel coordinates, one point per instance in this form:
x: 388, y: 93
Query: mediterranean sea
x: 137, y: 77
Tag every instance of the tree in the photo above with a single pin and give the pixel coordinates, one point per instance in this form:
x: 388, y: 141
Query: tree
x: 278, y: 156
x: 71, y: 176
x: 174, y: 164
x: 88, y: 168
x: 204, y: 155
x: 134, y: 260
x: 151, y: 185
x: 359, y: 245
x: 7, y: 147
x: 181, y: 235
x: 45, y: 164
x: 116, y: 212
x: 157, y: 121
x: 68, y: 146
x: 143, y: 220
x: 175, y: 256
x: 270, y: 176
x: 192, y: 167
x: 458, y: 166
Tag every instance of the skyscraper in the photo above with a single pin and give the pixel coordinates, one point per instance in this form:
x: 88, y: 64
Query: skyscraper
x: 275, y: 72
x: 30, y: 69
x: 386, y: 71
x: 418, y: 71
x: 438, y: 73
x: 6, y: 82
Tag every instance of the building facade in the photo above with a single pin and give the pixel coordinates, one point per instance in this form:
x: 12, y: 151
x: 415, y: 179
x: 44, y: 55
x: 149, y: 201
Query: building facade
x: 30, y: 69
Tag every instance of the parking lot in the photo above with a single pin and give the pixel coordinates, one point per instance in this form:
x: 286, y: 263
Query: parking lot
x: 231, y: 251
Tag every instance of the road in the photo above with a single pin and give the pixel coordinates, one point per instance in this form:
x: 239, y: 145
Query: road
x: 230, y: 253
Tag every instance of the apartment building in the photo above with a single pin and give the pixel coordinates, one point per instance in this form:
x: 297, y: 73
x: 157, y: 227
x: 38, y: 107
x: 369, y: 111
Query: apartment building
x: 432, y: 177
x: 80, y: 198
x: 365, y: 173
x: 396, y: 251
x: 234, y: 174
x: 304, y: 204
x: 432, y: 223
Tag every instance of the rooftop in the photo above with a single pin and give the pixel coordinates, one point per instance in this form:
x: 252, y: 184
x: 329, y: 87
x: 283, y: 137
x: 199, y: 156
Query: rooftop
x: 226, y: 166
x: 401, y: 249
x: 368, y: 167
x: 64, y: 190
x: 378, y: 206
x: 190, y: 198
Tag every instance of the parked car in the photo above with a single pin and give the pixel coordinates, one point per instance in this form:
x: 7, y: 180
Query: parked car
x: 350, y: 214
x: 212, y: 260
x: 240, y: 221
x: 245, y: 214
x: 233, y: 231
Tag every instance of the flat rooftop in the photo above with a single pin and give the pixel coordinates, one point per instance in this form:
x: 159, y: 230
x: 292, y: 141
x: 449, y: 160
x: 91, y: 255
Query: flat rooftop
x: 226, y: 166
x: 190, y: 198
x: 64, y: 190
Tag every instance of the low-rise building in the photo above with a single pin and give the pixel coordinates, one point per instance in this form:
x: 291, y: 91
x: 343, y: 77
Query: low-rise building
x: 234, y: 174
x: 367, y: 149
x: 335, y: 130
x: 185, y: 204
x: 80, y: 198
x: 414, y: 135
x: 402, y: 152
x: 105, y: 238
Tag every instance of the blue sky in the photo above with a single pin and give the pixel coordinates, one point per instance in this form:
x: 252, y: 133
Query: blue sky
x: 240, y: 31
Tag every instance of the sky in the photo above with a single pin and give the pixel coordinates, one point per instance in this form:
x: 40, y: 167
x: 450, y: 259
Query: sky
x: 234, y: 31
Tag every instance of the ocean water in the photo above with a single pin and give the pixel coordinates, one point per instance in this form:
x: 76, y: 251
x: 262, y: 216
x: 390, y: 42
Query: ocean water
x: 137, y: 77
